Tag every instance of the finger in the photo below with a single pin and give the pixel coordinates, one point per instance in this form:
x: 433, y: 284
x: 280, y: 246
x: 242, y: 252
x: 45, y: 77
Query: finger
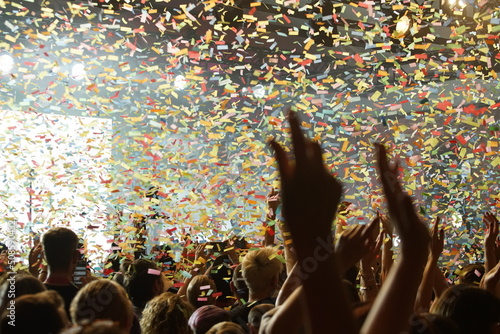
x: 435, y: 228
x: 371, y: 228
x: 298, y: 139
x: 387, y: 175
x: 441, y: 235
x: 316, y: 155
x: 380, y: 240
x: 283, y: 164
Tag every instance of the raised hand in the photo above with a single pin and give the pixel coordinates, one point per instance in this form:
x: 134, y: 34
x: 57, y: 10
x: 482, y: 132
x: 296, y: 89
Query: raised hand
x: 354, y: 243
x: 412, y: 231
x: 396, y: 300
x: 273, y: 202
x: 490, y: 241
x: 437, y: 240
x: 310, y: 195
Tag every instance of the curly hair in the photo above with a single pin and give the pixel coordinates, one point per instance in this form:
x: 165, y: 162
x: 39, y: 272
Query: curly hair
x: 167, y: 313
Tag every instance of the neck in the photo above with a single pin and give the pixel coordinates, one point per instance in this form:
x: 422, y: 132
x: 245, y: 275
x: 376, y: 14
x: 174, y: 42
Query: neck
x: 59, y: 277
x: 256, y: 296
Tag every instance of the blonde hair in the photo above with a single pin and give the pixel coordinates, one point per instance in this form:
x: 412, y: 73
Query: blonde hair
x: 226, y: 327
x: 259, y: 268
x: 199, y: 297
x: 166, y: 314
x: 102, y: 299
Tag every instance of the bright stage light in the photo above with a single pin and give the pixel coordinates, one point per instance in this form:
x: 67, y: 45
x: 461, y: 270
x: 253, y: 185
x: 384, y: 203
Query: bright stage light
x: 403, y: 26
x: 457, y: 4
x: 78, y: 71
x: 6, y: 63
x: 180, y: 82
x: 259, y: 91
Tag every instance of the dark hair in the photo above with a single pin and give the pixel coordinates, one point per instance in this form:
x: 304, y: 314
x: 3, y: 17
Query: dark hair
x: 36, y: 314
x: 141, y: 284
x: 425, y: 323
x: 25, y: 285
x: 473, y: 309
x: 59, y: 246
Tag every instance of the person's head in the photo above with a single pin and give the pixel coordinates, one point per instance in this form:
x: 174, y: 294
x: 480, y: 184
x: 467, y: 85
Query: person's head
x: 206, y: 317
x: 200, y: 291
x: 102, y: 299
x: 221, y: 273
x: 41, y: 313
x: 238, y: 285
x: 96, y: 327
x: 425, y: 323
x: 261, y: 270
x: 226, y: 327
x: 143, y: 281
x: 166, y: 313
x: 25, y: 284
x: 255, y: 316
x: 470, y: 274
x: 60, y: 247
x: 473, y: 309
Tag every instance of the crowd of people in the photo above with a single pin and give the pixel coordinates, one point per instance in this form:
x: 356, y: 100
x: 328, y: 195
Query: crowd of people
x: 315, y: 280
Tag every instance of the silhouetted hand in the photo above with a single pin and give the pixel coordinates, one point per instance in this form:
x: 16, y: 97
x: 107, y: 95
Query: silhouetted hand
x: 310, y: 195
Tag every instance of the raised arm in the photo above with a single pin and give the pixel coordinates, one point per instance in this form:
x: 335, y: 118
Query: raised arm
x: 490, y: 240
x: 310, y: 196
x: 387, y: 252
x: 394, y: 304
x: 424, y: 295
x: 273, y: 202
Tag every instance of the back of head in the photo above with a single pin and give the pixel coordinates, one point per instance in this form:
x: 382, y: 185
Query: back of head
x: 261, y: 270
x: 473, y: 309
x: 425, y: 323
x: 25, y: 284
x: 166, y: 314
x: 206, y: 317
x: 96, y: 327
x: 471, y: 274
x: 226, y: 327
x: 105, y: 300
x: 200, y: 291
x: 143, y: 282
x: 59, y: 246
x: 256, y: 314
x: 221, y: 274
x: 41, y: 313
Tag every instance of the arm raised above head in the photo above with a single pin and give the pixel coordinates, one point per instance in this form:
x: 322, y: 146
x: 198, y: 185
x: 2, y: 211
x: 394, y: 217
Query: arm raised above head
x: 310, y: 196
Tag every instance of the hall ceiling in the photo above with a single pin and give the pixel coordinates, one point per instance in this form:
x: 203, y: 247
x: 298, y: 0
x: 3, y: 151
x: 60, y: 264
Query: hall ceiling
x: 274, y: 42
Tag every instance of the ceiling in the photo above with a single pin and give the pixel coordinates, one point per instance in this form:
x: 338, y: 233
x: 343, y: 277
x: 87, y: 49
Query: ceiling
x: 229, y: 46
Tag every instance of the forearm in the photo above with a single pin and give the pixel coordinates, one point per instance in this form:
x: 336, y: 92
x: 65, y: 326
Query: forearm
x: 369, y: 288
x: 387, y: 258
x: 397, y: 297
x: 440, y: 281
x: 324, y: 284
x: 490, y: 259
x: 289, y: 318
x: 291, y: 284
x: 424, y: 294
